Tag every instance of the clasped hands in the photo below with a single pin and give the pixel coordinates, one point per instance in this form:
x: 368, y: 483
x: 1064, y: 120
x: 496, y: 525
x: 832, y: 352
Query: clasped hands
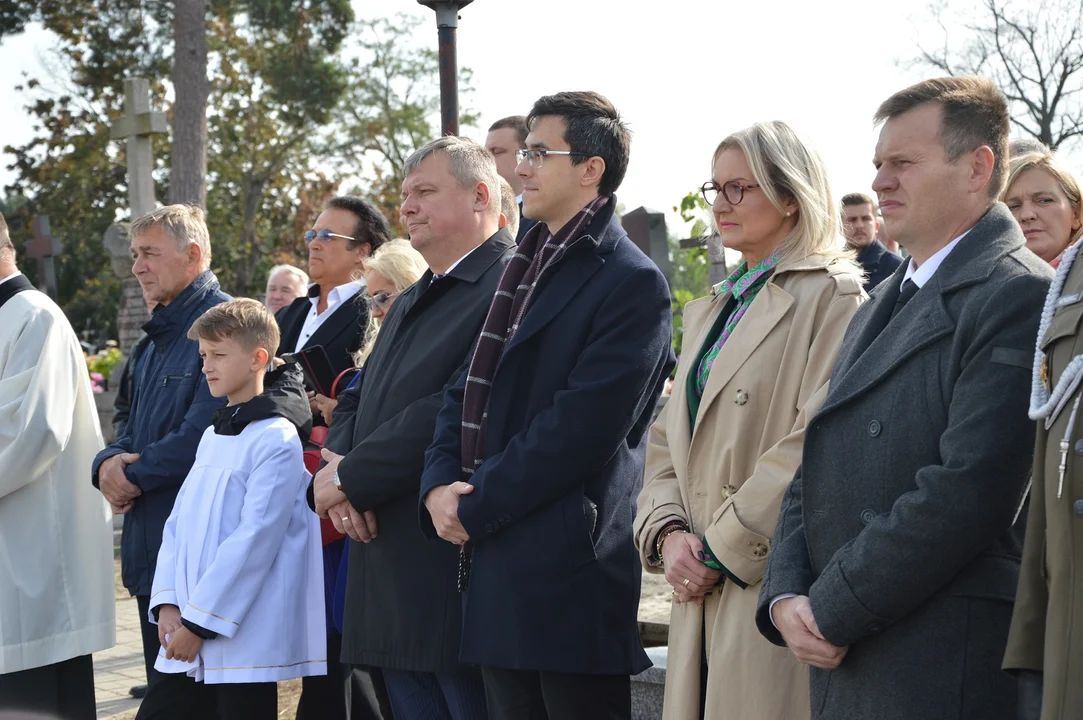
x: 114, y: 484
x: 332, y: 503
x: 443, y: 505
x: 794, y: 619
x: 682, y: 558
x: 179, y: 642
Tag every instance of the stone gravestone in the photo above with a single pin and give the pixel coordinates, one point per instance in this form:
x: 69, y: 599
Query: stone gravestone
x: 44, y: 248
x: 136, y: 128
x: 647, y: 229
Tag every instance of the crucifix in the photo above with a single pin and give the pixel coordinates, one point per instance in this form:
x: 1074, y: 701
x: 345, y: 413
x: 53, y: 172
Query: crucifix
x: 44, y: 248
x: 136, y: 128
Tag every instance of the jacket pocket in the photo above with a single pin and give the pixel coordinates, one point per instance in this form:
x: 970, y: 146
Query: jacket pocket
x: 578, y: 528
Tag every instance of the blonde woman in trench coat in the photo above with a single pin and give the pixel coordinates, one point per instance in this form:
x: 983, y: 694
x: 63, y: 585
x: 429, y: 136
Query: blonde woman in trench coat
x: 754, y: 369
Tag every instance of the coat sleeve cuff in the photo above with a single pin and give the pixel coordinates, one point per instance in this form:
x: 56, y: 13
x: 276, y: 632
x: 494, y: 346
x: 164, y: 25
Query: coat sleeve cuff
x: 209, y: 621
x: 741, y: 552
x: 841, y: 616
x: 160, y: 598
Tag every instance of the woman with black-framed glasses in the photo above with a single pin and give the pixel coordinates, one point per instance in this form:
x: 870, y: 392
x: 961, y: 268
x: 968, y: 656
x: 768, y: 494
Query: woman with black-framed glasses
x: 756, y: 360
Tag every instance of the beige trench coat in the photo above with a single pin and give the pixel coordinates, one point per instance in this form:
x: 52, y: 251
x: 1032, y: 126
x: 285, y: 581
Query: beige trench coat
x: 726, y: 480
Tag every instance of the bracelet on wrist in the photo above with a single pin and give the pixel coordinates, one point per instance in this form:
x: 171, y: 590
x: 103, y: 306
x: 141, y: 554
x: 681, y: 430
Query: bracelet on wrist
x: 669, y: 529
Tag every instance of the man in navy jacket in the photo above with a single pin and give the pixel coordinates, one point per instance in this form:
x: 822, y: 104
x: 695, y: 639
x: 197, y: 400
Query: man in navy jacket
x: 141, y: 473
x: 543, y: 502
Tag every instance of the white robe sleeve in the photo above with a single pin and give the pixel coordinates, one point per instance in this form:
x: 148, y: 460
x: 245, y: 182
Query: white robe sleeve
x: 39, y: 385
x: 234, y: 578
x: 163, y: 590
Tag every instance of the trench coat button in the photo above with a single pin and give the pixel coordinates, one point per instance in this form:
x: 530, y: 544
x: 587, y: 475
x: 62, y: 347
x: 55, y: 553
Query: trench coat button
x: 874, y: 428
x: 1079, y: 447
x: 760, y: 550
x: 867, y: 516
x: 489, y: 528
x: 1078, y: 507
x: 742, y: 397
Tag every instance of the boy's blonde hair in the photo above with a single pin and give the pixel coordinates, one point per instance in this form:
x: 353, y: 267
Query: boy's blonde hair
x: 248, y: 322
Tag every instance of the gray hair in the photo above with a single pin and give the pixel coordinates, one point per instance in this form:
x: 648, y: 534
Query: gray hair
x: 296, y: 272
x: 184, y: 224
x: 6, y: 246
x: 469, y: 163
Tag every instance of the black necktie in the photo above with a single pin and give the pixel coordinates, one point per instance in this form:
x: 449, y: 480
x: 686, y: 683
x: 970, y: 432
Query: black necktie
x: 909, y: 289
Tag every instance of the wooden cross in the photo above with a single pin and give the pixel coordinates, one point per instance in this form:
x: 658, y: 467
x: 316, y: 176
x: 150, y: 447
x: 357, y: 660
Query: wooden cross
x: 44, y: 248
x: 136, y: 128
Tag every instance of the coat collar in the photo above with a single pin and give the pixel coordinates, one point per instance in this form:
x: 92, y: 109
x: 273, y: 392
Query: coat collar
x: 424, y: 293
x: 584, y: 257
x: 878, y: 343
x: 173, y: 318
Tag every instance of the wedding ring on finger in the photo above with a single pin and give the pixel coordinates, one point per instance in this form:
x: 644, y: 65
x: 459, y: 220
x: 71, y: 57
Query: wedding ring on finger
x: 685, y: 582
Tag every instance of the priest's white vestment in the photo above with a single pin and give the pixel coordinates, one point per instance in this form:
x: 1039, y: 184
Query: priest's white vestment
x: 56, y: 539
x: 241, y: 556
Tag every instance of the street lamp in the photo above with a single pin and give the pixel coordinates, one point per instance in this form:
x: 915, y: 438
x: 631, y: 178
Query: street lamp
x: 447, y: 21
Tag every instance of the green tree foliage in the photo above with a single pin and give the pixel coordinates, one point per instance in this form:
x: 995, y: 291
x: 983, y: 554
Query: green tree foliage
x: 289, y: 118
x: 388, y: 110
x: 690, y: 267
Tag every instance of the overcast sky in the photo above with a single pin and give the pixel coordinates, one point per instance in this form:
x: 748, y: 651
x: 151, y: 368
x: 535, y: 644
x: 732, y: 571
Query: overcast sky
x: 684, y: 74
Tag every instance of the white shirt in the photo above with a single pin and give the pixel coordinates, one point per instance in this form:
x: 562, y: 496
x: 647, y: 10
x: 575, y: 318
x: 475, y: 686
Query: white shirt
x: 14, y: 274
x: 920, y: 276
x: 336, y: 297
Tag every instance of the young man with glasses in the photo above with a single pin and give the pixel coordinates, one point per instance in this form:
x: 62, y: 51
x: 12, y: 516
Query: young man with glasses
x: 539, y: 447
x: 334, y: 314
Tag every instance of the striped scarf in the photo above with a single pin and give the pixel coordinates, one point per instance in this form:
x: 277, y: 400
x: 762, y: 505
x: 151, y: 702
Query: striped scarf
x: 745, y: 285
x: 538, y: 252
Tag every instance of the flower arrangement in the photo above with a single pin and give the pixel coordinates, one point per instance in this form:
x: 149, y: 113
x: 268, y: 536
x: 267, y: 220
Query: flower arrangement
x: 102, y: 364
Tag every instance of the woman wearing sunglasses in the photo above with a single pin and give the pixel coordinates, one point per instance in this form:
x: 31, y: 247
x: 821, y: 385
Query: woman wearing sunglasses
x: 393, y: 268
x: 757, y: 358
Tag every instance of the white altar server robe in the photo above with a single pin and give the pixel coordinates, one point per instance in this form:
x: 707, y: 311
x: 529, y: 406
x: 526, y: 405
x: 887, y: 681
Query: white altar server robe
x: 56, y: 537
x: 241, y: 556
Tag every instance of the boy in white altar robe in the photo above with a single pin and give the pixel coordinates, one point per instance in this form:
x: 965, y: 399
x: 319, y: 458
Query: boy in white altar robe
x: 238, y: 590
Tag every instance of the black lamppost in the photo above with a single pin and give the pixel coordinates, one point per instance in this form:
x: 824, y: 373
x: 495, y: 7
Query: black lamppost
x: 447, y: 21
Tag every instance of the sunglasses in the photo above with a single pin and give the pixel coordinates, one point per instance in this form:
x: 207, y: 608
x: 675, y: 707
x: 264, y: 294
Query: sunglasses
x: 325, y: 235
x: 383, y: 300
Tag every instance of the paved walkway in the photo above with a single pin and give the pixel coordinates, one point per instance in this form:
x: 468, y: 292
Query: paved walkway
x: 117, y: 669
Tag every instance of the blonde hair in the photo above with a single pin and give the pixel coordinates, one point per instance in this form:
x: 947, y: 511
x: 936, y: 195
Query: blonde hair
x: 397, y: 261
x: 1049, y: 162
x: 184, y: 224
x: 509, y: 207
x: 786, y: 168
x: 247, y: 322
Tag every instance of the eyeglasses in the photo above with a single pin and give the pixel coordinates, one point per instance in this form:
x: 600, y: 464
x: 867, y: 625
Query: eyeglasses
x: 535, y: 157
x: 324, y: 235
x: 733, y: 191
x: 383, y: 300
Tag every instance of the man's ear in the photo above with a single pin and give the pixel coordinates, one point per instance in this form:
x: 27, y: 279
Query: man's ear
x: 594, y: 172
x: 262, y: 358
x: 195, y: 254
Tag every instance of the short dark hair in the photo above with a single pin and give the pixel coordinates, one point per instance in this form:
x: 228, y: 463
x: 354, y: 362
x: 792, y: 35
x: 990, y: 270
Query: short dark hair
x: 5, y: 237
x: 372, y: 227
x: 974, y: 112
x: 859, y: 199
x: 516, y: 123
x: 594, y: 128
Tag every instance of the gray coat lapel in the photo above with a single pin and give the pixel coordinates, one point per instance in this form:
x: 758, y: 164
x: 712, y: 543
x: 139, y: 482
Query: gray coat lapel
x: 879, y: 346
